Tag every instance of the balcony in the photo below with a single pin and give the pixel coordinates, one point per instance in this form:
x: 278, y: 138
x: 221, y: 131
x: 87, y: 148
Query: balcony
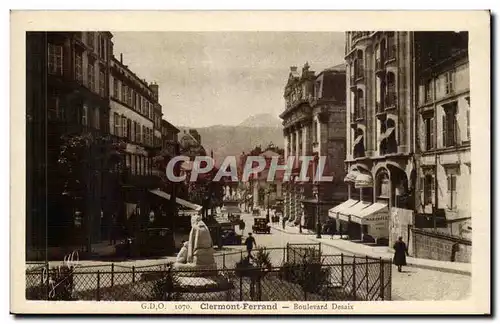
x: 357, y: 36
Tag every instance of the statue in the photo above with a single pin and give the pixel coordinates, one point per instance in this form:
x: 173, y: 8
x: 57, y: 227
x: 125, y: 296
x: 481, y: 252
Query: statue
x: 197, y: 253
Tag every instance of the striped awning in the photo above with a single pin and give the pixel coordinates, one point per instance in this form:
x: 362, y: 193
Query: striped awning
x: 363, y: 180
x: 351, y: 176
x: 179, y: 201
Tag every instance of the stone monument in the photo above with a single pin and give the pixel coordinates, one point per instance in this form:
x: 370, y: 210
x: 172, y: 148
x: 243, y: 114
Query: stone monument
x: 197, y: 254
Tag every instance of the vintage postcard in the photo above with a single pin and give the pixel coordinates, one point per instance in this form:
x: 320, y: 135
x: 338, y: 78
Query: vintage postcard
x: 250, y: 162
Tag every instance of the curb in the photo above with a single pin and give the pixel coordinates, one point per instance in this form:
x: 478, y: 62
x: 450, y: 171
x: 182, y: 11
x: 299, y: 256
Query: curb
x: 284, y: 231
x: 409, y: 264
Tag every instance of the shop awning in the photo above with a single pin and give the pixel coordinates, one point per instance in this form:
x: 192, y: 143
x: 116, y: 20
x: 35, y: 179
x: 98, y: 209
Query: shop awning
x: 373, y: 213
x: 358, y: 140
x: 387, y: 133
x: 231, y: 209
x: 351, y: 176
x: 180, y: 201
x: 363, y: 181
x: 333, y: 212
x: 356, y: 209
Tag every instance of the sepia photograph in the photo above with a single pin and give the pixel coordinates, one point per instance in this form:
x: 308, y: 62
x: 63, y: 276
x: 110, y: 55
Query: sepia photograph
x: 291, y: 171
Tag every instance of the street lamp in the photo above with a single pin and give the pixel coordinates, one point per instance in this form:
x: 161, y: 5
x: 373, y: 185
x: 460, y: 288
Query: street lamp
x: 318, y: 223
x: 268, y: 196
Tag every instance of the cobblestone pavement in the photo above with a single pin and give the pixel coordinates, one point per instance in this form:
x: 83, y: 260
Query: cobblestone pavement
x: 411, y: 284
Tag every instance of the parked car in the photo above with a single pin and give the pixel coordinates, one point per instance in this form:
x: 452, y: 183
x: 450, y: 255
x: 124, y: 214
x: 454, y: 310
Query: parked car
x: 260, y: 225
x: 154, y: 242
x: 230, y: 237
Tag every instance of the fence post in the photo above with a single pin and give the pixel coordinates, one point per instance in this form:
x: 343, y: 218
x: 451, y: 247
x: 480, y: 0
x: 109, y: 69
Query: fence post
x: 354, y: 277
x: 112, y: 274
x: 241, y: 288
x: 382, y: 279
x: 133, y: 274
x: 224, y: 261
x: 98, y: 297
x: 47, y: 284
x: 342, y: 269
x: 287, y: 253
x: 367, y: 283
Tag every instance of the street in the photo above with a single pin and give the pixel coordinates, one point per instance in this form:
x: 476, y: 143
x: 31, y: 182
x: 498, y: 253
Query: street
x: 411, y: 284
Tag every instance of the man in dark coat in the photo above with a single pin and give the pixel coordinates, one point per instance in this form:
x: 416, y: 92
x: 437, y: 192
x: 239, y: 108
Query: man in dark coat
x: 400, y: 253
x: 250, y: 242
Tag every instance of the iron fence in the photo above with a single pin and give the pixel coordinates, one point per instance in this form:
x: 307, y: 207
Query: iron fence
x: 298, y: 272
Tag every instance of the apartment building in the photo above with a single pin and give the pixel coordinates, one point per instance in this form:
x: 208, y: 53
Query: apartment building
x: 314, y: 125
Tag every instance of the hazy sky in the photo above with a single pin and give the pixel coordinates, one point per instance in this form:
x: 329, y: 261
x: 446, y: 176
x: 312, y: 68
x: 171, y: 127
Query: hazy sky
x: 213, y: 78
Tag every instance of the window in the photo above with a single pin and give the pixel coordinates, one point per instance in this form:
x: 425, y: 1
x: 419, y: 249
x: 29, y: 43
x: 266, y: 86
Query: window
x: 102, y: 46
x: 54, y: 107
x: 91, y: 76
x: 318, y: 89
x: 391, y: 47
x: 79, y: 66
x: 428, y: 188
x: 390, y: 99
x: 129, y: 96
x: 102, y: 82
x: 96, y: 120
x: 55, y: 62
x: 138, y: 102
x: 452, y: 191
x: 137, y: 132
x: 428, y: 91
x: 124, y: 93
x: 449, y: 125
x: 448, y: 82
x: 360, y: 104
x: 429, y: 133
x: 358, y: 65
x: 117, y: 124
x: 124, y: 126
x: 85, y: 115
x: 115, y: 88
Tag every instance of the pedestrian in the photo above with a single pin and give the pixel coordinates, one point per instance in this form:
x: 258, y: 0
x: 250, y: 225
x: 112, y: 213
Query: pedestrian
x: 400, y: 253
x: 250, y: 242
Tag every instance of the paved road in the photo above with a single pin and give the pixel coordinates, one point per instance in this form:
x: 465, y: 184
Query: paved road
x: 411, y: 284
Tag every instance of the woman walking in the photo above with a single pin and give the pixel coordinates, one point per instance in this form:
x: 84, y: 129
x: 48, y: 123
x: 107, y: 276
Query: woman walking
x: 400, y: 253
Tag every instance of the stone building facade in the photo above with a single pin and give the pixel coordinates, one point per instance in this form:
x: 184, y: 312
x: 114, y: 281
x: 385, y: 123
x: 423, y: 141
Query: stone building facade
x: 67, y: 94
x: 443, y: 133
x: 380, y: 137
x: 134, y: 118
x: 314, y: 125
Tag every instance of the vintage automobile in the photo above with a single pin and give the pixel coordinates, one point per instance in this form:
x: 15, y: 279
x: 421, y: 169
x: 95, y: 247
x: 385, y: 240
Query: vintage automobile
x: 230, y: 237
x: 260, y: 225
x: 154, y: 242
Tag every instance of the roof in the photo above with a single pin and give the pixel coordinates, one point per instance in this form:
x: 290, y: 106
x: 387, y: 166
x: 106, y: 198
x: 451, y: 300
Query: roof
x: 164, y: 121
x: 337, y: 68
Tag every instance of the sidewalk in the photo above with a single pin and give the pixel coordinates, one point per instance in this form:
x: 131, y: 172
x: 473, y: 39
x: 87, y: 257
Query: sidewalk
x: 291, y: 229
x: 387, y: 253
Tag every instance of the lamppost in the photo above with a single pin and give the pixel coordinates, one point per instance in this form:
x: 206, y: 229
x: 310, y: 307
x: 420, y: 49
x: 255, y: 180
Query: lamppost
x: 318, y: 223
x: 268, y: 192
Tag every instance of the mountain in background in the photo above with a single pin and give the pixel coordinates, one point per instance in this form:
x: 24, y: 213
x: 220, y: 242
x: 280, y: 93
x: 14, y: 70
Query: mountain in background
x: 225, y: 141
x: 261, y: 120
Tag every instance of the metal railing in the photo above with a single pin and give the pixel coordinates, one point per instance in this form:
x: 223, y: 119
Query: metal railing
x: 298, y: 272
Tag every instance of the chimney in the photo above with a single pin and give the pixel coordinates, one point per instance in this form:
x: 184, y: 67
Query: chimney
x: 121, y: 58
x: 154, y: 87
